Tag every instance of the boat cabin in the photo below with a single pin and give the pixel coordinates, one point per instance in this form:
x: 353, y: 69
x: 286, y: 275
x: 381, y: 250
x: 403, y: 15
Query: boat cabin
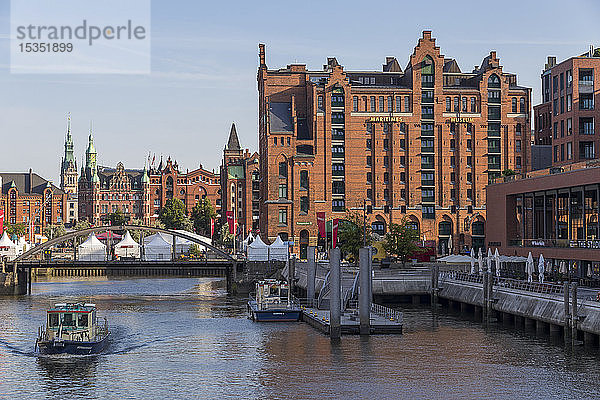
x: 70, y: 321
x: 271, y: 293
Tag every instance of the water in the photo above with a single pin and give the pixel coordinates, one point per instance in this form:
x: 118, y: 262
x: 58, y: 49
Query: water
x: 186, y: 339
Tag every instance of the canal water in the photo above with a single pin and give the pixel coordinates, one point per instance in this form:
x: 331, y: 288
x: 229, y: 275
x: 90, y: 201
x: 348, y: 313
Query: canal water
x: 186, y: 339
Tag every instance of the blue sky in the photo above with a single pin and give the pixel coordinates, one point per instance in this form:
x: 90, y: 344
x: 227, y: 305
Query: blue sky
x: 204, y: 60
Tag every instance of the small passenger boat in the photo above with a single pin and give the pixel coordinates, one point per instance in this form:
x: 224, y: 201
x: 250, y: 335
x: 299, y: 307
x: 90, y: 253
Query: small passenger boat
x: 72, y: 328
x: 273, y: 302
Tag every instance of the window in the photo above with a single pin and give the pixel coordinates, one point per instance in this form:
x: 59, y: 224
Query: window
x: 452, y: 194
x: 555, y: 84
x: 494, y: 96
x: 586, y: 76
x: 456, y: 104
x: 555, y: 130
x: 427, y: 145
x: 569, y: 126
x: 275, y: 141
x: 304, y: 204
x: 338, y: 205
x: 473, y: 104
x: 518, y: 161
x: 448, y: 104
x: 386, y: 144
x: 494, y: 129
x: 586, y: 101
x: 390, y: 106
x: 304, y: 180
x: 338, y: 187
x: 426, y: 129
x: 427, y: 112
x: 402, y: 176
x: 402, y: 160
x: 494, y: 112
x: 569, y: 102
x: 427, y: 162
x: 562, y: 128
x: 428, y: 212
x: 365, y: 103
x: 369, y: 177
x: 562, y: 104
x: 555, y: 106
x: 562, y: 81
x: 586, y: 126
x: 386, y: 177
x: 586, y: 150
x: 452, y: 144
x: 452, y: 161
x: 464, y: 104
x: 283, y: 169
x: 469, y: 161
x: 369, y: 194
x: 522, y: 105
x: 452, y: 177
x: 406, y: 103
x: 381, y: 104
x: 282, y: 216
x: 514, y: 104
x: 469, y: 177
x: 369, y: 143
x: 518, y: 146
x: 373, y: 105
x: 556, y: 153
x: 355, y: 103
x: 427, y: 195
x: 398, y: 104
x: 370, y: 127
x: 403, y: 193
x: 369, y: 161
x: 386, y: 161
x: 469, y: 194
x: 337, y: 169
x: 562, y: 152
x: 569, y: 150
x: 569, y: 78
x: 427, y: 179
x: 320, y: 103
x: 469, y: 144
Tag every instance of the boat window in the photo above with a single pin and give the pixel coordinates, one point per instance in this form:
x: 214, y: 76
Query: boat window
x: 68, y: 320
x: 82, y: 320
x: 283, y: 293
x: 53, y: 319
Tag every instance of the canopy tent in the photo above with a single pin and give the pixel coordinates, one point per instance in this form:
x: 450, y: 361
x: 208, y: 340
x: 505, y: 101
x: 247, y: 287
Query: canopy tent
x: 110, y: 234
x: 247, y: 241
x: 278, y: 250
x: 183, y: 245
x: 157, y: 248
x: 22, y: 245
x: 8, y: 248
x: 457, y: 259
x: 127, y: 247
x: 91, y: 250
x: 258, y: 250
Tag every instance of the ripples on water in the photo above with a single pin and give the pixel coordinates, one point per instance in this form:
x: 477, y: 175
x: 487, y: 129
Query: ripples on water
x: 185, y: 338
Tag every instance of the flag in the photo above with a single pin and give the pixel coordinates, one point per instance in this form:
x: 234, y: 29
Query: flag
x: 212, y: 227
x: 230, y: 221
x: 1, y: 222
x: 321, y: 223
x: 334, y: 232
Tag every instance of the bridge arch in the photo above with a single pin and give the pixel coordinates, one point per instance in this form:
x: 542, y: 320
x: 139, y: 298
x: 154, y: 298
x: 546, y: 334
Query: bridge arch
x: 85, y: 232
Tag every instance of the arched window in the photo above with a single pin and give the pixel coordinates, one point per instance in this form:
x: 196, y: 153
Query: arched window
x: 427, y: 72
x: 494, y: 81
x: 169, y: 187
x: 514, y: 104
x: 522, y: 105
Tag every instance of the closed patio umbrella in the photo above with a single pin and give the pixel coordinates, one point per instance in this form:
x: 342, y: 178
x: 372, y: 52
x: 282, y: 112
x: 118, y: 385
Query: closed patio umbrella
x: 497, y: 260
x: 472, y: 261
x: 541, y: 269
x: 589, y: 271
x: 529, y: 268
x: 489, y: 260
x: 480, y: 260
x: 563, y: 268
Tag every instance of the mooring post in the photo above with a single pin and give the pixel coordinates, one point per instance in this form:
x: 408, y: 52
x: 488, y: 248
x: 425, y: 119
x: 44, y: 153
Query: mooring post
x: 311, y: 272
x: 574, y: 317
x: 566, y: 330
x: 435, y: 274
x: 29, y: 281
x: 335, y: 303
x: 292, y: 273
x: 228, y: 278
x: 485, y: 296
x: 364, y: 299
x: 234, y: 274
x: 174, y: 254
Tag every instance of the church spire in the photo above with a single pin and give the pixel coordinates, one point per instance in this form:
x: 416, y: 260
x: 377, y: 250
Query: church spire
x: 233, y: 143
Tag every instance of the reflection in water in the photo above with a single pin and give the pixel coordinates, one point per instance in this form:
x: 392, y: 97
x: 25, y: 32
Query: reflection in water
x: 186, y: 338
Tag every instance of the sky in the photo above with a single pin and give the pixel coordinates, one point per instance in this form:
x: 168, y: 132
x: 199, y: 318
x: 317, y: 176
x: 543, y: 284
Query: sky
x: 204, y: 59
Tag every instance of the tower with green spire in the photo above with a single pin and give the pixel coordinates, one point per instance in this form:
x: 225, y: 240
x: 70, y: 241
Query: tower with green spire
x: 68, y: 167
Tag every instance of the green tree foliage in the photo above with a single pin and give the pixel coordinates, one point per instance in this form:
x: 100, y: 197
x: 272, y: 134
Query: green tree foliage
x: 202, y: 213
x: 225, y: 238
x: 173, y: 215
x: 81, y: 225
x: 18, y: 229
x: 508, y: 172
x: 117, y: 218
x: 54, y: 231
x: 195, y: 250
x: 351, y: 235
x: 401, y: 240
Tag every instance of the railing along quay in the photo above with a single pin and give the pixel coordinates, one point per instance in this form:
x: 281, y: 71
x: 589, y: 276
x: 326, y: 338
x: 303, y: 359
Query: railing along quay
x: 386, y: 312
x: 509, y: 283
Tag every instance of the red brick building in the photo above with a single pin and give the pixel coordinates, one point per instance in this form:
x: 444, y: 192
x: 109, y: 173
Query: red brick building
x: 32, y: 200
x: 420, y: 143
x: 567, y: 117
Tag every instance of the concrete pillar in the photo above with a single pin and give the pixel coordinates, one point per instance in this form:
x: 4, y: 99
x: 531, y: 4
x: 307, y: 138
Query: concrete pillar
x: 311, y: 272
x: 485, y: 296
x: 574, y: 317
x: 589, y: 339
x: 292, y: 273
x: 529, y: 323
x: 335, y: 330
x: 364, y: 298
x: 554, y: 330
x: 435, y: 287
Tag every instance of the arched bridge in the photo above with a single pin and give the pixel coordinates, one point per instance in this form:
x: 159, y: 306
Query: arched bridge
x: 225, y: 266
x: 85, y: 232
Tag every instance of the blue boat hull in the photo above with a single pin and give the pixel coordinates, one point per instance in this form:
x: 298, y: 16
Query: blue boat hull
x: 274, y: 314
x: 72, y: 347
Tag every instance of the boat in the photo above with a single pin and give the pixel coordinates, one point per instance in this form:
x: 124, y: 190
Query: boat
x: 273, y: 302
x: 72, y: 328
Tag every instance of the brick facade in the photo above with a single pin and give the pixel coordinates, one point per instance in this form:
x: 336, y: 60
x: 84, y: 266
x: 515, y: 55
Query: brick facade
x: 420, y: 143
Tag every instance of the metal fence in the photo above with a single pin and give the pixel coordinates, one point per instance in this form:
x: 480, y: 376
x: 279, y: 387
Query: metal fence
x: 509, y: 283
x: 386, y: 312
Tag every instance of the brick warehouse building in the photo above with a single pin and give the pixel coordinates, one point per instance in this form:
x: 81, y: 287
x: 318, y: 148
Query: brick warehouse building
x: 140, y: 193
x: 567, y: 116
x: 30, y: 199
x: 421, y: 143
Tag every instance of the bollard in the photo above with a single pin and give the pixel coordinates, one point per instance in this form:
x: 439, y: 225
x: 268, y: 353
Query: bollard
x: 335, y: 329
x: 364, y: 299
x: 435, y: 275
x: 311, y: 272
x: 574, y: 313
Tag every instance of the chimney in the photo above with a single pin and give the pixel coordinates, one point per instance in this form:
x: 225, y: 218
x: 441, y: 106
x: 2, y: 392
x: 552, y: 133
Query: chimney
x: 30, y: 180
x: 426, y: 34
x: 493, y: 55
x: 261, y: 55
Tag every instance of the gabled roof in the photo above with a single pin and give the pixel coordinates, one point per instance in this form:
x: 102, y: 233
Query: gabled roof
x: 450, y: 65
x: 233, y: 143
x: 25, y: 185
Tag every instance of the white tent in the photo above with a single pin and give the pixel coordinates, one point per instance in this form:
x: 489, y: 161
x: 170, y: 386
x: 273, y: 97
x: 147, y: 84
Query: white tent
x: 157, y: 248
x: 258, y: 250
x: 91, y: 250
x: 183, y: 245
x: 457, y: 259
x: 278, y: 250
x: 22, y: 245
x: 8, y: 248
x: 247, y: 241
x: 127, y: 247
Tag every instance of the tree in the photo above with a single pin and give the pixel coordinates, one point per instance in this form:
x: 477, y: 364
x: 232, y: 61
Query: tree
x: 225, y: 238
x: 173, y: 215
x: 17, y: 229
x: 508, y: 172
x: 54, y: 231
x: 81, y: 225
x: 401, y: 240
x: 202, y: 214
x: 351, y: 232
x: 117, y: 218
